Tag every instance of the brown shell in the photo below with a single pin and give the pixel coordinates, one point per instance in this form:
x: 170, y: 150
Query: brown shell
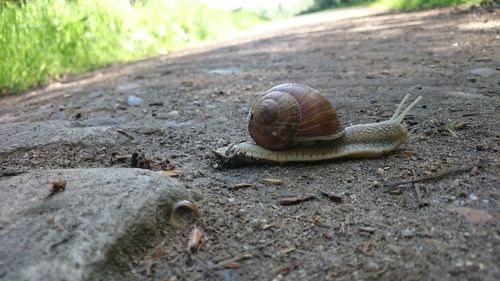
x: 289, y: 114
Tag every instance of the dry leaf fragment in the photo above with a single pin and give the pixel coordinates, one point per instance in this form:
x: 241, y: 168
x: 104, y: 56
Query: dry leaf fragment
x: 283, y: 270
x: 154, y: 258
x: 287, y: 201
x: 195, y: 239
x: 232, y: 265
x: 472, y: 215
x: 122, y: 158
x: 272, y: 181
x: 57, y: 186
x: 367, y: 248
x: 409, y: 153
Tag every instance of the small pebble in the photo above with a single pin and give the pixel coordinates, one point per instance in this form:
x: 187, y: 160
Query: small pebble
x: 58, y: 115
x: 173, y: 113
x: 380, y: 171
x: 372, y: 266
x: 473, y: 197
x: 227, y: 274
x: 134, y: 101
x: 483, y: 72
x: 407, y: 233
x: 225, y: 71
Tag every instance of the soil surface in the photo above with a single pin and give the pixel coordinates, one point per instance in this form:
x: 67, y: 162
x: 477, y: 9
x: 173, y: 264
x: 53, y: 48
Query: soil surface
x: 443, y: 228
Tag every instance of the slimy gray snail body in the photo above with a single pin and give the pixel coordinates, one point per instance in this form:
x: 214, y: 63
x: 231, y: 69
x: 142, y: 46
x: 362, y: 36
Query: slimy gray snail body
x: 295, y: 123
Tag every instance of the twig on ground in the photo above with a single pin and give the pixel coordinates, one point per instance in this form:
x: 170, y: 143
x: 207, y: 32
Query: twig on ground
x: 236, y: 259
x: 287, y: 201
x: 433, y: 176
x: 240, y: 186
x: 226, y: 263
x: 121, y: 131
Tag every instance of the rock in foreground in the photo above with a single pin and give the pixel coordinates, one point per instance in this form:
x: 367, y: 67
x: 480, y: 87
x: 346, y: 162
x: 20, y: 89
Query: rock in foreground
x: 101, y: 220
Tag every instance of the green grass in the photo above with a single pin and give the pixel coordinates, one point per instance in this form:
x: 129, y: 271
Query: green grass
x: 409, y: 5
x: 43, y: 40
x: 46, y: 39
x: 319, y: 5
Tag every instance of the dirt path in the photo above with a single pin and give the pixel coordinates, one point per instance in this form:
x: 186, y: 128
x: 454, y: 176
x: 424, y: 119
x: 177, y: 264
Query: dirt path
x: 194, y: 101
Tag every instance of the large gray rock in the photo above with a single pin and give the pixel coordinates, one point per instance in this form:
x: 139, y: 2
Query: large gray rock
x: 30, y: 134
x: 101, y: 221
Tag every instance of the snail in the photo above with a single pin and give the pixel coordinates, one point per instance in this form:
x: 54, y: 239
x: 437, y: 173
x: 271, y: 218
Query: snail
x: 295, y: 123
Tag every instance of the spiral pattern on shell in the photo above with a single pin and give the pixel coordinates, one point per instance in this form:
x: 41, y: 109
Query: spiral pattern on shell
x: 290, y: 114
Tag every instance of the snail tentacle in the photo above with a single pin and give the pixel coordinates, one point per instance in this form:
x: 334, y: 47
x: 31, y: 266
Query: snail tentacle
x: 400, y: 116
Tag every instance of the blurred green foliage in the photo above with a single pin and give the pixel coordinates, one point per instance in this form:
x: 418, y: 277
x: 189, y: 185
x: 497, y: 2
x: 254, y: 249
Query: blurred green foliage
x: 319, y: 5
x: 43, y: 39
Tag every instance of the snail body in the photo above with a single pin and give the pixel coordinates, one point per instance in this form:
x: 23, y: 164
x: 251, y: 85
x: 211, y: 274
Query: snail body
x: 357, y: 141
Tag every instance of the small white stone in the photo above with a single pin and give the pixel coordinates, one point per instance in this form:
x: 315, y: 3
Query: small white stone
x: 173, y: 113
x: 473, y: 197
x: 134, y: 101
x: 407, y: 233
x: 380, y: 171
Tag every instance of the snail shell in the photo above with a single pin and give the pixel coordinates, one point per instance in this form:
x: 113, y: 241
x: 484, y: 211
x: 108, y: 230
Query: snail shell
x: 290, y: 114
